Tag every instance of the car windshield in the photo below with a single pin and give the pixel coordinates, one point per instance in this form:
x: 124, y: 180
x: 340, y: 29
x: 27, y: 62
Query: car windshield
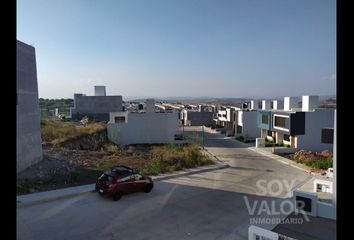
x: 106, y: 177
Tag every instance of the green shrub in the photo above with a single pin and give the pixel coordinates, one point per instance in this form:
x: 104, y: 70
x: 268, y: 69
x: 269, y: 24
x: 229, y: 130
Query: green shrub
x: 323, y: 164
x: 154, y: 167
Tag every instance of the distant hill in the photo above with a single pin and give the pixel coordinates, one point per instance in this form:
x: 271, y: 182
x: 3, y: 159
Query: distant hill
x: 211, y: 100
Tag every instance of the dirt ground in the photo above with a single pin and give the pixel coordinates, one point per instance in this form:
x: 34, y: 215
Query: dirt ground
x: 62, y: 167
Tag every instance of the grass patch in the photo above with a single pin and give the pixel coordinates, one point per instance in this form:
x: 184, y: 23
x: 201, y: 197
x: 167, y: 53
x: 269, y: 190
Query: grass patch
x: 173, y: 157
x: 111, y: 148
x: 323, y: 164
x: 56, y: 132
x: 317, y: 163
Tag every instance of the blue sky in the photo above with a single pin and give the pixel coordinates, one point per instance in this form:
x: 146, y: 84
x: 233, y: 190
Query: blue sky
x: 217, y: 48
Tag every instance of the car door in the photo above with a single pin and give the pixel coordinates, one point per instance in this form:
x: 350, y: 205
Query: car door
x: 127, y: 184
x: 140, y: 182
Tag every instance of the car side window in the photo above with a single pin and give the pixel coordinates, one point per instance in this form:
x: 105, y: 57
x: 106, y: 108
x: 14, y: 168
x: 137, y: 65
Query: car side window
x: 126, y: 179
x: 138, y: 177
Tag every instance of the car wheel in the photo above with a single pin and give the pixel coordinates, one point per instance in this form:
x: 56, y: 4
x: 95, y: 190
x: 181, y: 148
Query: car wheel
x: 117, y: 195
x: 148, y: 188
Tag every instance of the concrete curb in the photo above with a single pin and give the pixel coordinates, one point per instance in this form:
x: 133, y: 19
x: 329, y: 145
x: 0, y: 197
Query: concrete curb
x: 285, y: 161
x: 42, y: 197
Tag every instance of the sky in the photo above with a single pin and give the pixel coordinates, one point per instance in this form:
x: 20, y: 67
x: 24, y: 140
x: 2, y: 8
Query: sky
x: 216, y: 48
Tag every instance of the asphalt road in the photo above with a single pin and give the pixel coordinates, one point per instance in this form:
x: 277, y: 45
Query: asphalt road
x: 208, y: 205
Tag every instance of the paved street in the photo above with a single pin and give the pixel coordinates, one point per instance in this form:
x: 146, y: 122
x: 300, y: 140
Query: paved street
x: 208, y: 205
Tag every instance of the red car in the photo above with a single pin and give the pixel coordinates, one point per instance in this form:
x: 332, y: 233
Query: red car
x: 122, y: 180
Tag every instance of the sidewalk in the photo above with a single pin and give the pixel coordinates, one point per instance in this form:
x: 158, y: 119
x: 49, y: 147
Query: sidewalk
x: 42, y: 197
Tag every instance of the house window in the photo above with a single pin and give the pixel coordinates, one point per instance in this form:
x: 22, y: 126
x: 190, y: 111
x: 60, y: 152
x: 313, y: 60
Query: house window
x: 286, y: 137
x: 279, y: 122
x: 327, y: 135
x: 304, y: 203
x: 119, y: 119
x: 265, y: 119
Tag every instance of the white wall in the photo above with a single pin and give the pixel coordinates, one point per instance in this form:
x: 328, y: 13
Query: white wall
x: 240, y: 118
x: 327, y: 186
x: 254, y: 104
x: 326, y: 210
x: 290, y: 103
x: 309, y: 103
x: 335, y: 161
x: 314, y: 122
x: 278, y: 105
x: 254, y: 231
x: 100, y: 91
x: 265, y: 104
x: 249, y: 124
x: 144, y: 128
x: 112, y: 115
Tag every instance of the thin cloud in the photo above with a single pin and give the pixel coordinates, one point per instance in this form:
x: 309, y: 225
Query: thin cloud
x: 332, y: 77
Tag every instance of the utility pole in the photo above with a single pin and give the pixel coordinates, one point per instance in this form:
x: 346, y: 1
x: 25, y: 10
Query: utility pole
x: 203, y: 135
x: 183, y: 124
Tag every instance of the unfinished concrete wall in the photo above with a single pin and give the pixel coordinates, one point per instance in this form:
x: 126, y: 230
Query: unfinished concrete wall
x: 150, y: 105
x: 29, y: 143
x: 200, y: 118
x: 95, y: 107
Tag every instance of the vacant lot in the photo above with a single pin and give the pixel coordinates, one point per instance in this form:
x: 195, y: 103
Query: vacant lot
x: 76, y: 155
x: 321, y: 161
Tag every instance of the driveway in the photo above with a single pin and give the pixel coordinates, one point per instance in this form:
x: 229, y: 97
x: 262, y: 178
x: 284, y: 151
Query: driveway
x: 209, y: 205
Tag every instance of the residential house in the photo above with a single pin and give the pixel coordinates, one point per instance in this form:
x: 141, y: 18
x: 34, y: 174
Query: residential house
x: 245, y: 121
x: 308, y: 127
x: 149, y: 127
x: 203, y: 116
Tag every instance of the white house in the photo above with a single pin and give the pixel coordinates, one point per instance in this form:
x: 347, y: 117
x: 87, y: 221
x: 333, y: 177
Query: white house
x: 246, y: 124
x: 308, y: 128
x: 148, y: 127
x: 225, y: 117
